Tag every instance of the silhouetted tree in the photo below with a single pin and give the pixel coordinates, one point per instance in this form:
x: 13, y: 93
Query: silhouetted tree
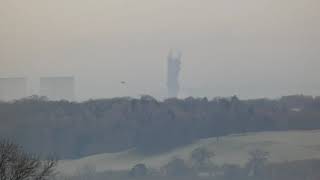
x: 138, y: 170
x: 15, y: 164
x: 201, y: 158
x: 257, y: 162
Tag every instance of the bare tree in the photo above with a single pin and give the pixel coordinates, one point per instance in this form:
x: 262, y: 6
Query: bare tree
x: 257, y: 162
x: 15, y: 164
x: 138, y: 170
x: 201, y: 157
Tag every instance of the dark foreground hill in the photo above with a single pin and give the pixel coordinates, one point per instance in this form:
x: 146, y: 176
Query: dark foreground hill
x: 73, y: 130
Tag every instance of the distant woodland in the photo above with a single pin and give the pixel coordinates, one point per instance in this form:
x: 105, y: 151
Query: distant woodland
x: 72, y: 130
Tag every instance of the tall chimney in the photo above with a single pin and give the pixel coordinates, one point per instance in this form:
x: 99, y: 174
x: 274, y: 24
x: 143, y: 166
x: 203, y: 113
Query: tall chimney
x: 173, y: 73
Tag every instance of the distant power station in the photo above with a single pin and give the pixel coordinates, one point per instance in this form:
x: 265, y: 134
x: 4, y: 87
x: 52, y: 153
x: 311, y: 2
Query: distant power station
x: 58, y: 88
x: 173, y: 73
x: 54, y: 88
x: 13, y: 88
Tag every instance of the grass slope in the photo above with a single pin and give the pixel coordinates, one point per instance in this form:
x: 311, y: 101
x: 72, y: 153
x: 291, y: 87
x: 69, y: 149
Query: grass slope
x: 233, y: 149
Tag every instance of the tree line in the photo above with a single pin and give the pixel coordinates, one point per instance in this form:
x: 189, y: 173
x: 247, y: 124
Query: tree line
x: 72, y: 130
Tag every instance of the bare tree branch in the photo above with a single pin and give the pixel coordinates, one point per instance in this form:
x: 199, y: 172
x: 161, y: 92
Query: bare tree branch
x: 15, y: 164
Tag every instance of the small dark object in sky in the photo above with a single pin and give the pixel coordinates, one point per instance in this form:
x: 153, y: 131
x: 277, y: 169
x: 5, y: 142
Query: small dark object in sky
x: 123, y: 82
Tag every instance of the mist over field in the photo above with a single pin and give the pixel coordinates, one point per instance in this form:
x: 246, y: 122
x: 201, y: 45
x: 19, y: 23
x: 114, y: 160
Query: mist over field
x: 159, y: 90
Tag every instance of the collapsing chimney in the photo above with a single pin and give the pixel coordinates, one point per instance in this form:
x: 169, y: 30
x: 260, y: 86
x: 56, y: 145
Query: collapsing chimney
x: 173, y: 73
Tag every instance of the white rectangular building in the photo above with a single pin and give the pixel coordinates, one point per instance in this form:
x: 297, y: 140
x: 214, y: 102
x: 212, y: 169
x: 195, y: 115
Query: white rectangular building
x: 13, y: 88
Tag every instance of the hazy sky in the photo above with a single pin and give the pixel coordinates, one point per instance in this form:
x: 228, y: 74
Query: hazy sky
x: 251, y: 48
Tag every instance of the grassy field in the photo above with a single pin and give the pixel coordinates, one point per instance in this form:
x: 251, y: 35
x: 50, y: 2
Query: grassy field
x: 233, y: 149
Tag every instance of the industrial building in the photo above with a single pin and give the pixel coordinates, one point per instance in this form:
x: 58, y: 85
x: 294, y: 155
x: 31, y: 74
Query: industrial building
x: 13, y: 88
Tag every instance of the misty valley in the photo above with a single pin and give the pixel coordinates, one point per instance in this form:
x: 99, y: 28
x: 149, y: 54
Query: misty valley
x: 159, y: 90
x: 192, y: 138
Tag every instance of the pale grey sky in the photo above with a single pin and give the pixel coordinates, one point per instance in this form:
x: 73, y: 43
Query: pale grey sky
x: 251, y: 48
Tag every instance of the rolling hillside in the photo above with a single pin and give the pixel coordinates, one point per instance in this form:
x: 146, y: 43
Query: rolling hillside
x: 282, y: 146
